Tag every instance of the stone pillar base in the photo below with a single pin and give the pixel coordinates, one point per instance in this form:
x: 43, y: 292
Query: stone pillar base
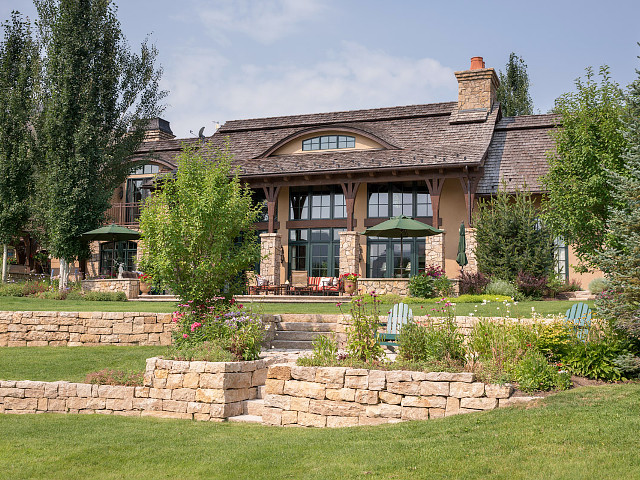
x: 434, y: 250
x: 349, y: 252
x: 271, y: 257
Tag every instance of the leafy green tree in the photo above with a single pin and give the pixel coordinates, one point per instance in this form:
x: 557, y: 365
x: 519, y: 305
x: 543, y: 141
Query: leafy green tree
x: 197, y: 229
x: 18, y: 84
x: 589, y: 142
x: 620, y: 259
x: 511, y: 238
x: 513, y: 92
x: 96, y: 97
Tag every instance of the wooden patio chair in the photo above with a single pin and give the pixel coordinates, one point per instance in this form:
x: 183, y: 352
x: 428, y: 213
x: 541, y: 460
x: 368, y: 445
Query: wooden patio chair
x: 299, y: 281
x: 578, y: 317
x: 398, y: 316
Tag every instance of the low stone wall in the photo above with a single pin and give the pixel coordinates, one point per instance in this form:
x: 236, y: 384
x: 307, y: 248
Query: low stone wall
x: 191, y: 390
x: 130, y: 286
x: 397, y: 286
x: 340, y: 397
x: 23, y: 329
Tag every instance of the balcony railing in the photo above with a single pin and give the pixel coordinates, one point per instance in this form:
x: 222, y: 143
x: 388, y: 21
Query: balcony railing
x: 126, y: 214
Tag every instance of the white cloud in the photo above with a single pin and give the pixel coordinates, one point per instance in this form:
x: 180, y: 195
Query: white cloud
x: 264, y: 20
x: 208, y: 87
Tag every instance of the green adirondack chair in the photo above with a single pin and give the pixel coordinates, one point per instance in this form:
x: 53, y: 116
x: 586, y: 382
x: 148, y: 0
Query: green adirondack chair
x: 399, y: 315
x: 578, y: 317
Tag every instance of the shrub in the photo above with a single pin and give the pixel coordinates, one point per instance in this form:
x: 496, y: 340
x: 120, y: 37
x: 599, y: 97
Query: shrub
x: 431, y: 342
x: 533, y: 373
x: 115, y: 377
x: 594, y: 360
x: 211, y: 351
x: 11, y: 290
x: 628, y: 364
x: 598, y: 285
x: 105, y: 296
x: 531, y: 285
x: 324, y: 353
x: 554, y: 339
x: 422, y: 285
x: 501, y: 287
x: 473, y: 283
x: 362, y: 341
x: 443, y: 286
x: 240, y: 332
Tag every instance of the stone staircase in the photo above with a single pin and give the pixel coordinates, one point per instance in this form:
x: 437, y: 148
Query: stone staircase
x: 297, y: 331
x: 251, y: 409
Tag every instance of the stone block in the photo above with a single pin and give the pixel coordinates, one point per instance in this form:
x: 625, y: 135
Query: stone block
x: 307, y: 374
x: 339, y: 422
x: 119, y: 404
x: 115, y: 391
x: 311, y: 420
x: 56, y: 405
x: 147, y: 404
x: 398, y: 376
x: 434, y: 388
x: 403, y: 388
x: 12, y: 392
x: 464, y: 390
x: 199, y: 408
x: 259, y: 377
x: 237, y: 380
x: 197, y: 366
x: 384, y: 410
x: 289, y: 417
x: 86, y: 403
x: 358, y: 382
x: 453, y: 406
x: 84, y: 389
x: 373, y: 421
x: 424, y: 402
x: 179, y: 366
x: 498, y: 391
x: 366, y: 396
x: 191, y: 380
x: 300, y: 404
x: 272, y: 416
x: 411, y: 413
x: 14, y: 403
x: 43, y: 404
x: 331, y: 377
x: 67, y: 389
x: 163, y: 414
x: 274, y: 386
x: 483, y: 403
x: 278, y: 401
x: 297, y: 388
x: 160, y: 393
x: 174, y: 406
x: 159, y: 383
x: 183, y: 394
x: 280, y: 372
x: 343, y: 394
x: 450, y: 377
x: 50, y: 390
x: 377, y: 380
x: 391, y: 398
x: 436, y: 413
x: 174, y: 380
x: 331, y: 407
x: 509, y: 402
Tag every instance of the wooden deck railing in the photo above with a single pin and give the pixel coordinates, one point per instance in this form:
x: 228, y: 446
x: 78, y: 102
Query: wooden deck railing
x: 126, y: 214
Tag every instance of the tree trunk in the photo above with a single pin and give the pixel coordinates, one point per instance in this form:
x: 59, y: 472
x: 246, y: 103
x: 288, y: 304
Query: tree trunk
x: 5, y: 254
x: 64, y: 274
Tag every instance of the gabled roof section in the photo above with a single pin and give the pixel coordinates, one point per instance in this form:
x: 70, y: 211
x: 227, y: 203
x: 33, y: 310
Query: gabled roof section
x: 421, y: 135
x: 517, y: 153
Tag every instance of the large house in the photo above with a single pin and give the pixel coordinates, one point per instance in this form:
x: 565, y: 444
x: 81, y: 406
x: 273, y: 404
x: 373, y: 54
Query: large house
x: 326, y: 177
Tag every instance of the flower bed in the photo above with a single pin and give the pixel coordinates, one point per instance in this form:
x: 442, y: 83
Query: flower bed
x: 340, y: 396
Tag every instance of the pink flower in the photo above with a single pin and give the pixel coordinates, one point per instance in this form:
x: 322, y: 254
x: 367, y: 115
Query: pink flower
x: 184, y: 335
x: 195, y: 325
x: 239, y: 305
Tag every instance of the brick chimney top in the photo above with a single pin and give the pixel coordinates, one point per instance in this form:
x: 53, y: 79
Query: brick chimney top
x: 476, y: 63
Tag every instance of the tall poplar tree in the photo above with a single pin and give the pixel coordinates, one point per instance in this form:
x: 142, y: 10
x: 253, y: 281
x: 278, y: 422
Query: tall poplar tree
x: 97, y: 97
x: 18, y: 83
x: 513, y: 92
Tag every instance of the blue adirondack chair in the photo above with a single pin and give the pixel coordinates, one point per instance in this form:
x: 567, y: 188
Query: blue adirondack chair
x: 399, y: 315
x: 578, y: 317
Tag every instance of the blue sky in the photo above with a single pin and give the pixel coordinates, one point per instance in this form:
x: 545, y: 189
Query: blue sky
x: 233, y: 59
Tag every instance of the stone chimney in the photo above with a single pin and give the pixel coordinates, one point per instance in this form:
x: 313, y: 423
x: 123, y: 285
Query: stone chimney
x: 158, y: 129
x: 477, y: 87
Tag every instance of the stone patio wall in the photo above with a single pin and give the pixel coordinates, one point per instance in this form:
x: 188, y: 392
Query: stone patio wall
x: 130, y: 286
x: 208, y: 391
x: 341, y: 397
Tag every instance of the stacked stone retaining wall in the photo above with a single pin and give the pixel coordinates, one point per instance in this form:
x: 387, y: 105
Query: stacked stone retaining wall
x: 209, y: 391
x: 340, y: 397
x: 130, y: 286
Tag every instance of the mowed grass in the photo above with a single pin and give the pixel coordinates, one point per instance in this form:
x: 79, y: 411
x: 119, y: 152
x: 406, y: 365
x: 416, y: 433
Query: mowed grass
x: 522, y: 309
x: 584, y: 433
x: 71, y: 363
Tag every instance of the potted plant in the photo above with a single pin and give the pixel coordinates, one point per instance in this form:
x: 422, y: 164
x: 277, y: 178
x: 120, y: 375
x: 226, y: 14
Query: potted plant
x: 350, y: 282
x: 145, y: 283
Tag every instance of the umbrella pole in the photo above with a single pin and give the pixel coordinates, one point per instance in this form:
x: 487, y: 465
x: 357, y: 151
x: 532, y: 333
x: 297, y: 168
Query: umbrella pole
x: 401, y: 259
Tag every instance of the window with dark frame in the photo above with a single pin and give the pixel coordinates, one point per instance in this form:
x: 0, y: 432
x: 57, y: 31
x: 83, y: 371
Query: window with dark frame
x: 114, y: 253
x: 384, y: 259
x: 316, y: 250
x: 317, y: 203
x: 386, y: 200
x: 328, y: 142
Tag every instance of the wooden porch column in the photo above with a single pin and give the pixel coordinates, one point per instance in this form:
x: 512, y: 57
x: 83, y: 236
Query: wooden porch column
x: 435, y: 184
x: 271, y: 194
x: 469, y: 187
x: 350, y: 190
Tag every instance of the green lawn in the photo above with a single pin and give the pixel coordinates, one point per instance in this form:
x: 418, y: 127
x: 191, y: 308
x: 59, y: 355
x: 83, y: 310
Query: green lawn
x: 523, y: 309
x: 584, y: 433
x: 70, y: 363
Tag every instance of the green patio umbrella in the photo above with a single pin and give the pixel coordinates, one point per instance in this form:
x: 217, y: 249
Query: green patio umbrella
x: 462, y: 247
x: 401, y: 227
x: 111, y: 233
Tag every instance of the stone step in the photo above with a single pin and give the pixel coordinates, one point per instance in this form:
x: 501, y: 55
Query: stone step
x: 253, y: 407
x: 307, y: 326
x: 292, y: 344
x: 309, y: 318
x: 246, y: 419
x: 294, y: 335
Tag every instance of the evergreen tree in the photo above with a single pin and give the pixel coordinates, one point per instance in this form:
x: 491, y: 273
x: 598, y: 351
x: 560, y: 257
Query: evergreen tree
x: 589, y: 143
x: 510, y: 237
x: 620, y: 260
x: 18, y: 83
x: 97, y: 97
x: 513, y: 92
